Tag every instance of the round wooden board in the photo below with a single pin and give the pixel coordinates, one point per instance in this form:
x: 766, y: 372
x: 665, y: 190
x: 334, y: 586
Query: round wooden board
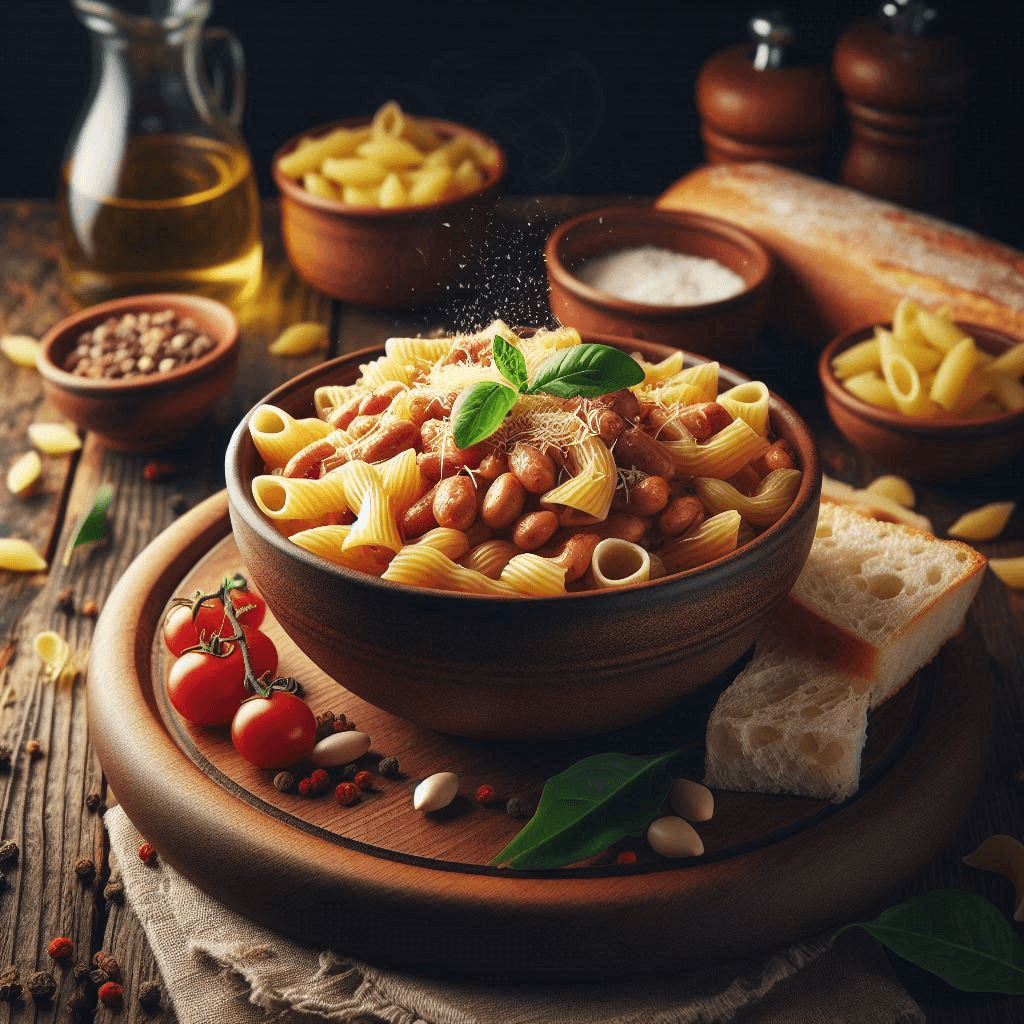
x: 385, y: 883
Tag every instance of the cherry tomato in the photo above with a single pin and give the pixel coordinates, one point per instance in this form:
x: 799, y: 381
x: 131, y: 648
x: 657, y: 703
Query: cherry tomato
x: 274, y: 731
x: 207, y: 688
x: 181, y: 631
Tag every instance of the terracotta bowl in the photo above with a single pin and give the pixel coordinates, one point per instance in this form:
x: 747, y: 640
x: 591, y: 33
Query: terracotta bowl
x: 943, y: 448
x: 724, y: 330
x: 145, y: 413
x: 530, y: 668
x: 385, y: 257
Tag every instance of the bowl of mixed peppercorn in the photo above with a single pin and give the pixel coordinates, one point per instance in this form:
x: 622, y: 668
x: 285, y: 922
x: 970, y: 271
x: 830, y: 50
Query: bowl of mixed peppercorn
x: 141, y: 372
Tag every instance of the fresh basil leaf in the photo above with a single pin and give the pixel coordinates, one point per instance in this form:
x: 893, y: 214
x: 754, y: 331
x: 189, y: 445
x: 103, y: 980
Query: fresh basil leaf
x: 589, y: 806
x: 510, y: 361
x: 586, y: 371
x: 954, y: 934
x: 479, y: 410
x: 93, y: 526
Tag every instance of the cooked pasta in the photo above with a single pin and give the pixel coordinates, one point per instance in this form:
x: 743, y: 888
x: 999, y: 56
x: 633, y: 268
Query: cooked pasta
x: 17, y: 555
x: 893, y: 487
x: 1009, y: 570
x: 983, y: 523
x: 656, y: 480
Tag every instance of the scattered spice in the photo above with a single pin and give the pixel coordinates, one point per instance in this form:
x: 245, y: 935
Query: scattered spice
x: 8, y: 853
x: 626, y: 857
x: 147, y: 853
x: 60, y: 948
x: 34, y: 748
x: 346, y: 793
x: 319, y: 782
x: 305, y: 787
x: 90, y: 609
x: 520, y: 807
x: 363, y: 780
x: 137, y: 345
x: 111, y: 993
x: 114, y: 891
x: 66, y: 600
x: 41, y: 986
x: 10, y: 984
x: 80, y: 972
x: 150, y: 995
x: 85, y: 869
x: 389, y: 767
x: 284, y: 782
x: 98, y: 977
x: 484, y: 793
x: 350, y: 771
x: 93, y: 801
x: 107, y: 963
x: 155, y: 471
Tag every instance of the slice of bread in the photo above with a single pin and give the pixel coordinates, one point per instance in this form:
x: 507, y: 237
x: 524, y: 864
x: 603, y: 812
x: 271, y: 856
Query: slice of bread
x: 874, y: 602
x: 788, y: 723
x: 880, y: 598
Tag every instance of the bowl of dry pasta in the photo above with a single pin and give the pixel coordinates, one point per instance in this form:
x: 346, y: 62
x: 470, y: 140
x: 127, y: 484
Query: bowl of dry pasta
x: 390, y: 210
x: 575, y: 563
x: 935, y: 398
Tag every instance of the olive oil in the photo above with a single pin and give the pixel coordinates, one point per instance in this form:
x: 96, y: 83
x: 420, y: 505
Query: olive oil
x: 181, y: 215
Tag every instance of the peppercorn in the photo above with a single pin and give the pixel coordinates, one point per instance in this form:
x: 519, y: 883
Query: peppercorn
x: 520, y: 807
x: 111, y: 993
x: 325, y: 724
x: 147, y: 853
x: 66, y: 601
x: 305, y: 787
x: 363, y: 780
x: 10, y: 984
x: 158, y: 470
x: 319, y: 782
x: 93, y: 801
x: 150, y: 995
x: 5, y: 758
x: 80, y: 972
x: 34, y: 748
x: 85, y: 869
x: 388, y: 767
x: 346, y: 793
x: 98, y: 977
x: 626, y: 857
x: 114, y: 891
x: 60, y: 948
x: 107, y: 963
x: 8, y: 852
x: 484, y: 793
x: 90, y: 609
x: 342, y: 724
x: 284, y: 782
x: 41, y: 986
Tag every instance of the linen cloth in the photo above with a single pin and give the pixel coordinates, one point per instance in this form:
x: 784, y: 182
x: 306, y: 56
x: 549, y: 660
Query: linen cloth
x: 218, y: 967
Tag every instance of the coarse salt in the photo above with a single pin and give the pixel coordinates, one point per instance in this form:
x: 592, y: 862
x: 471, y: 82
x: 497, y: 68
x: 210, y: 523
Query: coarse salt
x: 661, y: 277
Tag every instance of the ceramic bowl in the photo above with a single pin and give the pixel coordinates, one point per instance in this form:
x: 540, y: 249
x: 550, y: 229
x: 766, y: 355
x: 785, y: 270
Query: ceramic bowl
x: 520, y: 668
x: 943, y: 448
x: 725, y: 330
x: 143, y: 413
x: 377, y: 257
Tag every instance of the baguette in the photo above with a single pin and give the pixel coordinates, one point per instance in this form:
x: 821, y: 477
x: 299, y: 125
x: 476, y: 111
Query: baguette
x: 874, y: 602
x: 844, y: 259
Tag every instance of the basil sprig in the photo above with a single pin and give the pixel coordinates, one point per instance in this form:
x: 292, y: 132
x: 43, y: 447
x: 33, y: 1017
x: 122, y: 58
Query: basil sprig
x: 581, y: 371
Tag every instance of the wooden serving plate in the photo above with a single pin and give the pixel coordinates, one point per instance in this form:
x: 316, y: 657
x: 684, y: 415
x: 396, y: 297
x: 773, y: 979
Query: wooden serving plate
x: 384, y: 883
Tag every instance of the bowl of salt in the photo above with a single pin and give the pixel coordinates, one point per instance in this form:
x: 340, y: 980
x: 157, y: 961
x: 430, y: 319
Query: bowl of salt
x: 669, y: 276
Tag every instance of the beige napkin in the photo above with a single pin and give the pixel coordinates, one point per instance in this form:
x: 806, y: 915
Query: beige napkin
x: 221, y: 968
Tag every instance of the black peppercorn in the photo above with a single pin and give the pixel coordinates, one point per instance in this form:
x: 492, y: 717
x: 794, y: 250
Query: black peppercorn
x: 520, y: 807
x: 41, y: 986
x: 10, y: 984
x: 388, y: 767
x: 284, y: 782
x: 150, y: 995
x: 80, y: 972
x: 93, y: 801
x: 85, y: 869
x: 114, y: 891
x: 107, y: 963
x: 8, y: 853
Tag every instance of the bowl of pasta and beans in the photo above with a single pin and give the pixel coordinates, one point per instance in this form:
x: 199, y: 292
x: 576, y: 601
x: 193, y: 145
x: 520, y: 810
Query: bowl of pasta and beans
x: 578, y: 561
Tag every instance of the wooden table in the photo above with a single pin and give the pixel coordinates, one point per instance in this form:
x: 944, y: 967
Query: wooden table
x: 45, y: 804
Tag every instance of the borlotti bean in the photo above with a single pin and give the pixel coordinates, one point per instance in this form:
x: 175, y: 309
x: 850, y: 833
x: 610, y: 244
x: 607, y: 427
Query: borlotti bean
x: 435, y: 792
x: 340, y: 748
x: 673, y: 837
x: 691, y: 800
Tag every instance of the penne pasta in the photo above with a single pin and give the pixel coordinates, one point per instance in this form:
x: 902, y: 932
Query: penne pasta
x: 895, y: 488
x: 18, y: 555
x: 278, y: 435
x: 714, y: 538
x: 748, y: 402
x: 531, y: 575
x: 774, y: 495
x: 723, y: 455
x: 952, y: 373
x: 281, y: 497
x: 1009, y: 570
x: 983, y: 523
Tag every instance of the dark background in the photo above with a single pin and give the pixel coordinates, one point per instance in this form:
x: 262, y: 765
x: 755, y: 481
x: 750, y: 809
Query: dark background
x: 592, y: 98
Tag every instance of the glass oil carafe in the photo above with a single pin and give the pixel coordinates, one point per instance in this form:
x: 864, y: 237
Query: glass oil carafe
x: 157, y: 191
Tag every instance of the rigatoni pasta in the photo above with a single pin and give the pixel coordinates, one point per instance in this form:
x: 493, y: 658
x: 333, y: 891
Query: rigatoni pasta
x: 661, y: 478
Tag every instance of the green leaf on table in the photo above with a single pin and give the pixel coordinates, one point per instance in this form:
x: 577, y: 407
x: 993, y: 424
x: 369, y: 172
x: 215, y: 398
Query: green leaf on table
x: 479, y: 410
x: 958, y: 936
x: 511, y: 363
x: 586, y: 371
x: 588, y: 807
x: 93, y: 525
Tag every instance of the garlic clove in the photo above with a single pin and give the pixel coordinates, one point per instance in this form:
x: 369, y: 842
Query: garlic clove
x: 340, y: 748
x: 435, y: 792
x: 21, y: 349
x: 691, y: 800
x: 673, y: 837
x: 54, y: 438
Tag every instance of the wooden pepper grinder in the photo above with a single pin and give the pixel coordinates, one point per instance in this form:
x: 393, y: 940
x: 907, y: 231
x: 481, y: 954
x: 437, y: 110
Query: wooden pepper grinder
x: 761, y: 103
x: 904, y: 85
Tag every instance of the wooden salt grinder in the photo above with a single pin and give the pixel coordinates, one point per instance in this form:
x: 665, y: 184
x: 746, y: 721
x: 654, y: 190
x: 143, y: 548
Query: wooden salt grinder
x: 904, y: 85
x: 759, y: 103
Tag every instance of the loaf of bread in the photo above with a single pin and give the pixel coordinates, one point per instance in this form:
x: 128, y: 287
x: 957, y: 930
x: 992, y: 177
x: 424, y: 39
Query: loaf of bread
x: 844, y: 259
x: 873, y: 604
